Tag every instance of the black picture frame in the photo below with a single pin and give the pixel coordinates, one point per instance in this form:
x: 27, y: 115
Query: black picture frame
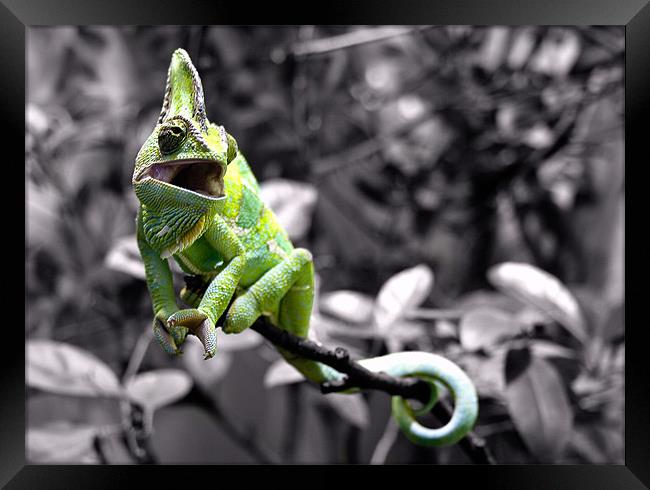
x: 16, y: 16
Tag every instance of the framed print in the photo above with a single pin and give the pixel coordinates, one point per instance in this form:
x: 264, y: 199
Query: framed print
x: 379, y: 236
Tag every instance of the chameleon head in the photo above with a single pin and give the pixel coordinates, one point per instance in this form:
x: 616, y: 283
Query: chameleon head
x: 182, y: 163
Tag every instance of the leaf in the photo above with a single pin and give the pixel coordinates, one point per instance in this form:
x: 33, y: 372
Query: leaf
x: 156, y: 389
x: 206, y: 373
x: 541, y: 290
x: 115, y: 88
x: 62, y: 442
x: 47, y: 50
x: 529, y: 317
x: 586, y: 384
x: 106, y: 220
x: 538, y: 404
x: 522, y: 45
x: 486, y: 373
x: 281, y: 373
x: 615, y: 285
x: 485, y: 327
x: 489, y: 299
x: 86, y: 166
x: 353, y: 408
x: 124, y: 256
x: 543, y: 348
x: 406, y: 331
x: 494, y: 48
x: 324, y: 330
x: 43, y: 217
x: 292, y: 202
x: 585, y: 442
x: 114, y: 450
x: 405, y: 290
x: 351, y: 306
x: 61, y: 368
x: 557, y: 53
x: 538, y: 137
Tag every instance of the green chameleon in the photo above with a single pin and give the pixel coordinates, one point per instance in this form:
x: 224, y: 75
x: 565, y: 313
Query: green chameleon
x: 200, y: 204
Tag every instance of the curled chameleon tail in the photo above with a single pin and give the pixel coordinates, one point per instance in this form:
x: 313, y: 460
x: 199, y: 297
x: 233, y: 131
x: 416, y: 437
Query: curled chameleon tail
x: 425, y: 365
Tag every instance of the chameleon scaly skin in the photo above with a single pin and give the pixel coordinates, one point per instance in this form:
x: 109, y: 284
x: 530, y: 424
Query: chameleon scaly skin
x: 200, y: 205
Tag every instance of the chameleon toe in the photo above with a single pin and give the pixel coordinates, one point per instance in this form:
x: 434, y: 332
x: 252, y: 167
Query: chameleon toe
x: 164, y: 338
x: 207, y: 334
x: 190, y: 318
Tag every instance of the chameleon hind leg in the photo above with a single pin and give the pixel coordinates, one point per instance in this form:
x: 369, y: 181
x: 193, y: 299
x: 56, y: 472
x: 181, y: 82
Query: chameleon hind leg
x: 294, y: 316
x: 289, y: 288
x: 293, y: 274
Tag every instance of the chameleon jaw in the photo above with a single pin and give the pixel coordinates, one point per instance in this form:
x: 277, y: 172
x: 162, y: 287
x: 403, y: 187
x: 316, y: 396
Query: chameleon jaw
x: 198, y: 176
x: 185, y: 240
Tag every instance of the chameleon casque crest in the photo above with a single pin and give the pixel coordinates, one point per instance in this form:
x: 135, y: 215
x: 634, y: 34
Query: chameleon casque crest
x: 200, y: 204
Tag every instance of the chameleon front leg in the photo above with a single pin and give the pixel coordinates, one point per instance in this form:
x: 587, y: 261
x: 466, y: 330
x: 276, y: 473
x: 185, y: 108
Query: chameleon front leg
x: 202, y: 319
x: 293, y: 275
x: 161, y: 290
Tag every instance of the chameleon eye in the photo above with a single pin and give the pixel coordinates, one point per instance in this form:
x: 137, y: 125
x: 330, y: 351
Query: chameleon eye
x: 171, y: 136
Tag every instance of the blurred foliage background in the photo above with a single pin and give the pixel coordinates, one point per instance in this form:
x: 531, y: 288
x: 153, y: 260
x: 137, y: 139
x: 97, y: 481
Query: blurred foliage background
x: 461, y: 188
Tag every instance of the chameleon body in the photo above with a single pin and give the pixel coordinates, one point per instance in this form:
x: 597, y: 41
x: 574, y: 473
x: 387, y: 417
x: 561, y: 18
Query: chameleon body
x: 200, y: 205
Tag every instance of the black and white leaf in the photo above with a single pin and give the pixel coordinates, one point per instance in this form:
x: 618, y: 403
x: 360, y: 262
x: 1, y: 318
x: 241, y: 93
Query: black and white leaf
x: 62, y: 442
x: 64, y: 369
x: 485, y: 327
x: 538, y: 404
x: 402, y: 292
x: 158, y: 388
x: 542, y: 290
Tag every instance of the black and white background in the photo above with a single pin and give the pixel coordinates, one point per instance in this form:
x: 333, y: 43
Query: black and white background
x: 461, y: 188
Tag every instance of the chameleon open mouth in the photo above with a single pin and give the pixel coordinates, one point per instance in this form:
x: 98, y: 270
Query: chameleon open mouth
x: 203, y: 177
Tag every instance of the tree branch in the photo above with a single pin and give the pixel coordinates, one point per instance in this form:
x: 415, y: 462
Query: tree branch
x: 359, y: 377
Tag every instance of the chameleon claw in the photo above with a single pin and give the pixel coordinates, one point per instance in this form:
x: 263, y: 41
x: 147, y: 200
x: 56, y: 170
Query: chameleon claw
x: 207, y: 334
x: 164, y: 338
x: 190, y: 318
x: 179, y: 334
x: 199, y: 324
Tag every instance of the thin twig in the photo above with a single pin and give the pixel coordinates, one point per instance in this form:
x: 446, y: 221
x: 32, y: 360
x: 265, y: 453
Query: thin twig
x: 300, y: 106
x: 352, y: 445
x: 328, y: 416
x: 386, y: 442
x: 247, y: 443
x: 352, y: 39
x: 138, y: 353
x: 137, y: 421
x: 472, y: 445
x: 433, y: 314
x: 293, y: 422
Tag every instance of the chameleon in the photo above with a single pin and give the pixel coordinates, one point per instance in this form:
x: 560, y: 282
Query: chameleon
x: 200, y: 205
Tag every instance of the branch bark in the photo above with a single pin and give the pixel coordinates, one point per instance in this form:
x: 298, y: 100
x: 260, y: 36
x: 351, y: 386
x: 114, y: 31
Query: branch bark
x: 359, y: 377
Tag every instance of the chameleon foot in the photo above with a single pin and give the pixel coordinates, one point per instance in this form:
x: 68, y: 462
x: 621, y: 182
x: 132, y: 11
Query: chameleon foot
x: 164, y: 338
x: 199, y: 324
